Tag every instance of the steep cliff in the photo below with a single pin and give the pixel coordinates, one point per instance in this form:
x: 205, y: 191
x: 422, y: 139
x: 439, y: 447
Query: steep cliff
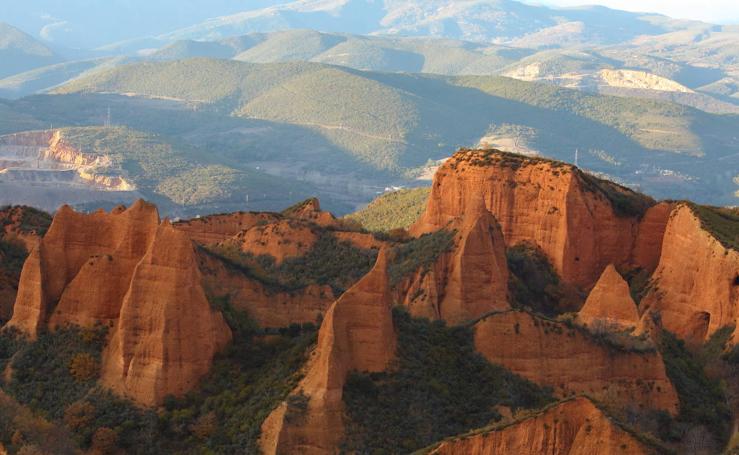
x: 581, y: 223
x: 610, y: 303
x: 466, y: 282
x: 140, y: 278
x: 66, y: 267
x: 573, y: 362
x: 167, y: 333
x: 356, y: 334
x: 695, y: 289
x: 573, y: 427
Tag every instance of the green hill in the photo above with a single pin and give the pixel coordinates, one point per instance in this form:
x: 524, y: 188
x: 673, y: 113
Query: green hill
x: 178, y: 173
x: 399, y: 209
x: 44, y: 78
x: 398, y: 121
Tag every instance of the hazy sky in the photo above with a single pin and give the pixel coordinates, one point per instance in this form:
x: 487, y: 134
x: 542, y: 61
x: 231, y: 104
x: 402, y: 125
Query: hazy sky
x: 717, y: 11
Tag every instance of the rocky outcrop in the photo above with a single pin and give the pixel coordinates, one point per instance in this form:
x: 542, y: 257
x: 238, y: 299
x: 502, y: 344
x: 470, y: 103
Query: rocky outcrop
x: 695, y: 289
x: 581, y: 223
x: 141, y: 278
x: 167, y: 334
x: 609, y: 303
x: 573, y: 362
x: 219, y: 228
x: 280, y: 239
x: 269, y: 307
x: 310, y: 210
x: 573, y: 427
x: 357, y: 333
x: 84, y: 245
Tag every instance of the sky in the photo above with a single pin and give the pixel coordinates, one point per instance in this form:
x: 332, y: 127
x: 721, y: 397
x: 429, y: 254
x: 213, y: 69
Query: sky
x: 715, y: 11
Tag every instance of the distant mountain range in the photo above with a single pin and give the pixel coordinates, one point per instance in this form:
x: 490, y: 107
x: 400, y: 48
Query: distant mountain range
x: 384, y: 89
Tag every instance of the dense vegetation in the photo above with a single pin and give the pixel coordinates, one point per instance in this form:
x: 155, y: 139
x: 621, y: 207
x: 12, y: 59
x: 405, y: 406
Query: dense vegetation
x: 440, y: 386
x: 721, y: 222
x: 702, y: 399
x: 164, y: 168
x: 535, y: 285
x: 224, y: 415
x: 419, y: 254
x: 625, y: 202
x: 399, y: 121
x: 396, y: 210
x: 329, y: 262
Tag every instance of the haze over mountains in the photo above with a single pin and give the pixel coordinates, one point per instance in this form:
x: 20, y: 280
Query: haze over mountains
x: 374, y: 91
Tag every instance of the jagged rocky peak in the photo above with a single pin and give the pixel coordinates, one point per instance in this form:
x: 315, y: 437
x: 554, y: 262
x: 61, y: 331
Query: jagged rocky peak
x: 120, y: 269
x: 357, y: 334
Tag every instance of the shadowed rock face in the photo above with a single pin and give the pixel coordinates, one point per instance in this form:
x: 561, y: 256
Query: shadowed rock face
x: 268, y: 307
x: 575, y: 427
x: 553, y: 205
x: 552, y: 354
x: 695, y: 290
x: 465, y: 283
x: 126, y: 270
x: 610, y: 303
x: 357, y: 334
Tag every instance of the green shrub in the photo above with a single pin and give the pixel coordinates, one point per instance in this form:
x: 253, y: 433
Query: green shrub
x: 419, y: 254
x: 439, y: 386
x: 534, y: 283
x: 399, y: 209
x: 702, y: 400
x: 329, y: 262
x: 721, y: 222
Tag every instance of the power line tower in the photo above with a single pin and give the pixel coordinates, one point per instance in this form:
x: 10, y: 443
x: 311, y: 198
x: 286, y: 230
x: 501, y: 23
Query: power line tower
x: 108, y: 122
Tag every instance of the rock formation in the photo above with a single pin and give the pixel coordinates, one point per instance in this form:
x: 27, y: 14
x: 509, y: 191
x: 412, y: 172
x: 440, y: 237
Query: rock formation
x: 610, y: 303
x: 167, y: 334
x: 572, y: 362
x: 357, y: 334
x: 270, y: 308
x: 695, y: 288
x: 84, y: 245
x: 310, y: 210
x: 280, y: 239
x: 648, y: 246
x: 140, y: 278
x: 573, y: 427
x: 219, y: 228
x: 571, y: 216
x: 465, y: 283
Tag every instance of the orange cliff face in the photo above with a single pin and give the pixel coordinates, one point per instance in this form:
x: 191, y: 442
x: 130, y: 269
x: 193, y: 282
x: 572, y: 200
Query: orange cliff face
x: 357, y: 334
x: 167, y: 333
x: 609, y: 303
x: 84, y: 263
x: 574, y: 427
x: 695, y: 289
x: 571, y: 362
x: 465, y: 283
x: 565, y: 212
x: 140, y: 278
